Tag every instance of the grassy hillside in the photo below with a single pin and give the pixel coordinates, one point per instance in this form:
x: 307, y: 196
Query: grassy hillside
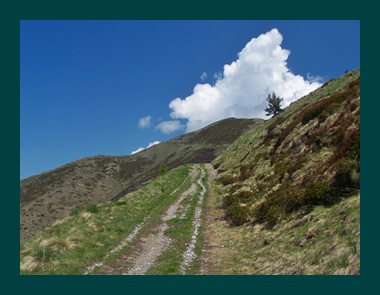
x: 70, y: 244
x: 54, y: 194
x: 287, y: 199
x: 306, y: 156
x: 324, y: 241
x: 156, y: 230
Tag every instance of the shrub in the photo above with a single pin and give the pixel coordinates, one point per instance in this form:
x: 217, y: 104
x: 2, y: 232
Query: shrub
x: 315, y: 137
x: 227, y: 179
x: 162, y: 168
x: 235, y: 187
x: 237, y: 214
x: 228, y: 200
x: 343, y: 174
x: 347, y: 144
x: 277, y: 205
x: 245, y: 195
x: 75, y: 211
x: 43, y: 254
x: 284, y: 133
x: 245, y: 172
x: 320, y: 193
x: 328, y: 105
x: 312, y: 112
x: 92, y: 208
x: 281, y: 203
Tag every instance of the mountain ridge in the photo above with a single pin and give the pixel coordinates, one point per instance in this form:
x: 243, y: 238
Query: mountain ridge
x: 54, y: 193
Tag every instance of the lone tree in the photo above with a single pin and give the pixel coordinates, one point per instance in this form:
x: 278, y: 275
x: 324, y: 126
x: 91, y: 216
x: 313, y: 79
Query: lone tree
x: 274, y: 106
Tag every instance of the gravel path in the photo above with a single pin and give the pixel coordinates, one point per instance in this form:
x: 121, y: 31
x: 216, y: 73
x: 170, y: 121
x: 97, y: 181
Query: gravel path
x: 189, y: 255
x: 120, y: 246
x: 206, y: 261
x: 162, y: 241
x: 154, y: 245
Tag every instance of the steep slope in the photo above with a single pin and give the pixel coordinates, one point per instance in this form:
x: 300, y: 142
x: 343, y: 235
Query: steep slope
x: 54, y: 194
x: 284, y: 175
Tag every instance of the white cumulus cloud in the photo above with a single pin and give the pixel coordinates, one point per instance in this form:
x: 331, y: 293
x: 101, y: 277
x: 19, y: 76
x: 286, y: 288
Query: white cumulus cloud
x: 145, y: 122
x: 203, y: 76
x: 315, y: 78
x: 137, y: 151
x: 241, y: 90
x: 144, y: 148
x: 170, y: 126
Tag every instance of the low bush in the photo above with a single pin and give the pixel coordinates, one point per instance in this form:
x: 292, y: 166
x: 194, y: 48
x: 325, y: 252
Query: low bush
x: 237, y: 214
x: 320, y: 193
x: 92, y: 208
x: 323, y: 108
x: 282, y: 203
x: 343, y: 175
x: 347, y: 144
x: 244, y: 195
x: 245, y: 172
x: 227, y: 179
x: 43, y: 254
x: 235, y: 187
x: 284, y: 133
x: 75, y: 211
x: 228, y: 200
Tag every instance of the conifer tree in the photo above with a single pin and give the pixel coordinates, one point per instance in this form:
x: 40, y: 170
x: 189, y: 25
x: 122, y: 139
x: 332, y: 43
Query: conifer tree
x: 274, y: 104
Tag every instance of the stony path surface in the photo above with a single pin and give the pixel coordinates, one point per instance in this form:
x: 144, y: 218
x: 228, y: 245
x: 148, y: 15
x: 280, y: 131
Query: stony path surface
x: 150, y: 244
x: 133, y: 235
x: 206, y: 259
x: 189, y: 254
x: 155, y: 244
x: 118, y: 248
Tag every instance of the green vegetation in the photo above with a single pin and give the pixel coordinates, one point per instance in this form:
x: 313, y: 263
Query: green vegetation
x: 92, y: 208
x: 306, y: 156
x: 324, y: 241
x: 43, y: 254
x: 71, y: 244
x: 293, y: 181
x: 237, y: 213
x: 75, y: 211
x: 274, y: 105
x: 52, y: 195
x: 180, y: 232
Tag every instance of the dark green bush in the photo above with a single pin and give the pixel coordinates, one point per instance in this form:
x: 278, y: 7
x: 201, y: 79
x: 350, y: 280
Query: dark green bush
x: 281, y: 203
x: 320, y: 193
x: 92, y: 208
x: 227, y: 179
x: 228, y: 200
x: 343, y: 174
x: 244, y: 195
x: 75, y: 211
x: 237, y: 214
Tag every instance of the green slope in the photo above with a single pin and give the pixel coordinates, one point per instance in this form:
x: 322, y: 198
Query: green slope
x: 289, y: 190
x: 53, y: 194
x: 71, y: 244
x: 308, y: 155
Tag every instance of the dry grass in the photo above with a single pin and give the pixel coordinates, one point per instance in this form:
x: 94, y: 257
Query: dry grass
x: 325, y: 241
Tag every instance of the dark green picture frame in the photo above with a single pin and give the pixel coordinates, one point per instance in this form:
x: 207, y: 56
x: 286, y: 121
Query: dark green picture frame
x: 13, y: 12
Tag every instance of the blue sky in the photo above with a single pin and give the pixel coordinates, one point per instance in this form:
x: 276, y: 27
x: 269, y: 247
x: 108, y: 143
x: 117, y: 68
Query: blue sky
x: 84, y: 85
